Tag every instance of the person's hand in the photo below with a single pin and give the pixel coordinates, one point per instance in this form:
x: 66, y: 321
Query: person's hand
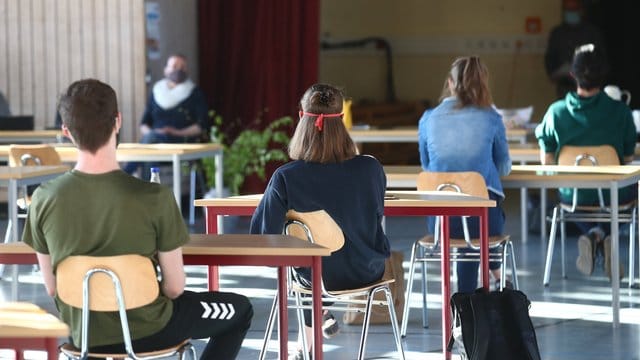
x: 166, y: 130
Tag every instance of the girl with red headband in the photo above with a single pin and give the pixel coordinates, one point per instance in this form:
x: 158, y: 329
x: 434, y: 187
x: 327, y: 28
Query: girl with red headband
x: 327, y: 173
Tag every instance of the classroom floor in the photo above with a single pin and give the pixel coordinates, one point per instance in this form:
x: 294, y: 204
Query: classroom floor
x: 571, y: 316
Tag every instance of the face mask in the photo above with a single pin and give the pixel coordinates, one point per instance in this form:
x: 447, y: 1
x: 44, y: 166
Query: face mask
x: 177, y: 76
x: 572, y: 17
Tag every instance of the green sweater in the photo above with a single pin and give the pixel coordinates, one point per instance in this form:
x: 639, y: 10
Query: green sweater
x: 588, y: 121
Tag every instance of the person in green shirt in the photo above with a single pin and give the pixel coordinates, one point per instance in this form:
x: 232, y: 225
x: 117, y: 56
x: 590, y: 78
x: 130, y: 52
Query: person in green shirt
x: 588, y: 117
x: 97, y: 209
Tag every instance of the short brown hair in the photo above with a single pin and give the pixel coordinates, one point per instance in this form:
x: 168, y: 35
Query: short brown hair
x: 89, y: 109
x: 470, y: 78
x: 332, y: 144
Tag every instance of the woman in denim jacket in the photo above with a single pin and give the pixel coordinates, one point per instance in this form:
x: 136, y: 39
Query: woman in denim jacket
x: 465, y: 133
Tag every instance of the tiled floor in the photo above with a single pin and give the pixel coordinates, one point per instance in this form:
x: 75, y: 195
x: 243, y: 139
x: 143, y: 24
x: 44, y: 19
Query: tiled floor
x: 571, y: 317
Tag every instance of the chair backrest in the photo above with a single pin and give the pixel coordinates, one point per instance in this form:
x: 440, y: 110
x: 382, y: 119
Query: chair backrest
x: 136, y: 274
x: 39, y: 154
x: 467, y: 182
x: 324, y: 230
x: 588, y: 155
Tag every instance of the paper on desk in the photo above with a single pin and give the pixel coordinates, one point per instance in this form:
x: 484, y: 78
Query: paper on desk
x: 517, y: 117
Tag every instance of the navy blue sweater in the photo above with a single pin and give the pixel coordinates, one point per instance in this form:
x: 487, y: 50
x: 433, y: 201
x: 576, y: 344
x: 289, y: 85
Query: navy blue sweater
x: 352, y: 192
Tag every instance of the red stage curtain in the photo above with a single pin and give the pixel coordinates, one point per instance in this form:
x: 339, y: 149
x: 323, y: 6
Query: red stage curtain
x: 257, y: 57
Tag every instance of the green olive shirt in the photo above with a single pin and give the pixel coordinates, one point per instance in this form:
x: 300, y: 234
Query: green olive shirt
x: 105, y: 215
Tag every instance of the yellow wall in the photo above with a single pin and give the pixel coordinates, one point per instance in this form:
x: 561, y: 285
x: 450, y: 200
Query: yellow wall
x: 426, y: 35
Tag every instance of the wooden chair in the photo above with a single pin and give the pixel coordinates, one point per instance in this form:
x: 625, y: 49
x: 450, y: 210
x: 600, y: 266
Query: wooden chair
x: 33, y: 155
x: 588, y: 156
x: 111, y: 283
x: 318, y: 227
x: 428, y: 247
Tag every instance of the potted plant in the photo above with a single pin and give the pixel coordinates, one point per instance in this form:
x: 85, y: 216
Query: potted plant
x: 249, y: 153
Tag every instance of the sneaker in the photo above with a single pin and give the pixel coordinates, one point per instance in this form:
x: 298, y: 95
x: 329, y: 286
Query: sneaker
x: 586, y: 254
x: 507, y: 284
x: 330, y: 326
x: 298, y: 355
x: 607, y: 259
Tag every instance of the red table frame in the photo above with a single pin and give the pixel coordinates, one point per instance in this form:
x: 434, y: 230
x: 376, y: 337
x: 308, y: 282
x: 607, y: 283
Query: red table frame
x: 213, y: 261
x: 213, y: 211
x: 19, y: 345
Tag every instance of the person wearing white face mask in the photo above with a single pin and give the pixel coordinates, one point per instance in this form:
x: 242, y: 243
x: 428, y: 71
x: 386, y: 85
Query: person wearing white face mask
x: 563, y: 39
x: 176, y: 111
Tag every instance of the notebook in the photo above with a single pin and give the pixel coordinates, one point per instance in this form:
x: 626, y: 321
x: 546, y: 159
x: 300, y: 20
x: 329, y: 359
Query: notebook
x: 18, y: 122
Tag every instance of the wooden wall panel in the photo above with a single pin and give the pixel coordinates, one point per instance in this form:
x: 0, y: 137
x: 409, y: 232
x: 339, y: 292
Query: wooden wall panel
x: 47, y: 44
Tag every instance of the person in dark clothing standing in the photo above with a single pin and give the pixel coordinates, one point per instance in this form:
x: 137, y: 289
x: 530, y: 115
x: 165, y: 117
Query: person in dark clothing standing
x: 328, y: 174
x: 563, y: 39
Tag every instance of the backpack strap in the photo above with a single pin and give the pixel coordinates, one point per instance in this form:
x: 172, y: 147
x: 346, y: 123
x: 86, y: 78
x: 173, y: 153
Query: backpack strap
x: 482, y: 328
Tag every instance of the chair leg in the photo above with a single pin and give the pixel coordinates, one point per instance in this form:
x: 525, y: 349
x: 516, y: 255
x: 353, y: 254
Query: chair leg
x: 192, y: 193
x: 503, y: 267
x: 632, y: 247
x: 302, y: 334
x: 552, y: 240
x: 269, y: 330
x: 425, y: 290
x: 563, y: 236
x: 407, y: 295
x: 365, y: 325
x: 394, y: 321
x: 514, y: 270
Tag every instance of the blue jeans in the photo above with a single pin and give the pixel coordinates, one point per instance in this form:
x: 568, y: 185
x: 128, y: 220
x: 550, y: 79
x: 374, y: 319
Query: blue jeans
x: 467, y: 271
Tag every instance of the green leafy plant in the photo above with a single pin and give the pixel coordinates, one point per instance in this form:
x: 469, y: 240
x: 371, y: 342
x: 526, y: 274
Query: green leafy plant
x: 249, y: 153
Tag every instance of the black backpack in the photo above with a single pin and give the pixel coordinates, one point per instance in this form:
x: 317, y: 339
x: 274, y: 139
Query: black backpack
x: 493, y: 325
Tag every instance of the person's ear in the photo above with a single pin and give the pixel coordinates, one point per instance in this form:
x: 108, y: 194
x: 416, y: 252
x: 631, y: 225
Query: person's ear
x: 118, y: 122
x: 67, y: 133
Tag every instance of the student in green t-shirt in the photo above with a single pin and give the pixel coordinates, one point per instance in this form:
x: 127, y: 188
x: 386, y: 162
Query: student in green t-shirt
x: 589, y: 117
x: 97, y: 209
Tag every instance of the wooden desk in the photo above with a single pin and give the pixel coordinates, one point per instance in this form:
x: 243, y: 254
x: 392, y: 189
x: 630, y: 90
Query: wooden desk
x: 25, y: 326
x: 407, y: 203
x: 606, y: 177
x: 280, y: 251
x: 410, y: 134
x: 27, y: 136
x: 174, y: 153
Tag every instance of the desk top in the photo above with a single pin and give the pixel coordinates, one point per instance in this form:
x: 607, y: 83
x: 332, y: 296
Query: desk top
x: 25, y: 320
x: 223, y: 244
x: 244, y: 244
x: 69, y: 153
x: 410, y: 134
x: 18, y: 134
x: 396, y: 199
x: 612, y: 172
x: 23, y: 172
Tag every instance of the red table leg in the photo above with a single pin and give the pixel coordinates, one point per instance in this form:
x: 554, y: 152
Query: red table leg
x: 484, y: 248
x: 283, y: 326
x: 316, y: 290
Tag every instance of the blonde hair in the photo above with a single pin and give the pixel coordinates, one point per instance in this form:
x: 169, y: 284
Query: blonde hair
x: 332, y: 144
x: 469, y: 79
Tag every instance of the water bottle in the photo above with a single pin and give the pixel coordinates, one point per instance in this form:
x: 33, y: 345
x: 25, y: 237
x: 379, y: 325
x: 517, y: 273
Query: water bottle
x: 155, y: 175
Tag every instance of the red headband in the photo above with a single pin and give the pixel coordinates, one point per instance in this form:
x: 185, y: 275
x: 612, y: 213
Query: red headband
x: 320, y: 120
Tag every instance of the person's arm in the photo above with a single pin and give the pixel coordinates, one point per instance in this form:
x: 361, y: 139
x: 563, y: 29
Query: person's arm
x: 422, y: 140
x: 500, y: 150
x: 144, y: 129
x: 189, y: 131
x: 46, y: 269
x: 547, y: 158
x: 173, y: 277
